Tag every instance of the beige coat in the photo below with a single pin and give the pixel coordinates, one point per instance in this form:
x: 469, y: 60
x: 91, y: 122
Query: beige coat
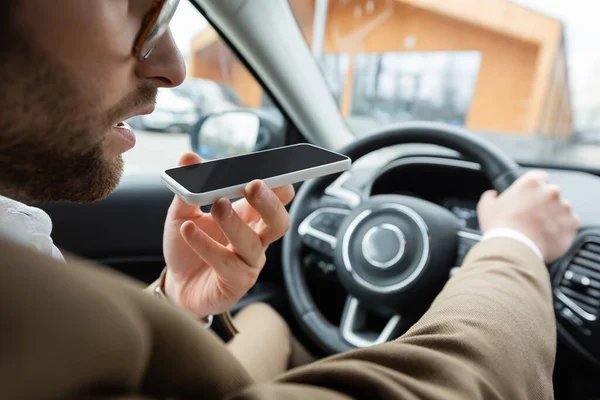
x: 81, y: 331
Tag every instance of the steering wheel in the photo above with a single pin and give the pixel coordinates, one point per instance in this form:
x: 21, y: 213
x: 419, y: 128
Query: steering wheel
x: 391, y: 253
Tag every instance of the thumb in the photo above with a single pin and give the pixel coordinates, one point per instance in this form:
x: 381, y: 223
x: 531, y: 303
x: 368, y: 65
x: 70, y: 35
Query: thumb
x: 189, y: 159
x: 487, y: 199
x: 179, y: 207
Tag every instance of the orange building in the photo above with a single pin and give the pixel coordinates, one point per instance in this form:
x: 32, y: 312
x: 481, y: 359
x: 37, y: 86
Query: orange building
x: 521, y: 82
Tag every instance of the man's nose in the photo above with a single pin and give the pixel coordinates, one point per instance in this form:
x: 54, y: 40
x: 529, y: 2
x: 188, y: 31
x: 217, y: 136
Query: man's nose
x: 165, y: 66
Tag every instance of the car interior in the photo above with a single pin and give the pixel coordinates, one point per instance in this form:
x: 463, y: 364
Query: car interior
x: 416, y: 179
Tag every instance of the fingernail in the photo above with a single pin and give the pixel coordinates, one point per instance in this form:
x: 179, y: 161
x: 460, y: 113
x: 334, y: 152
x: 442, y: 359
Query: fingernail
x: 259, y: 190
x: 263, y: 187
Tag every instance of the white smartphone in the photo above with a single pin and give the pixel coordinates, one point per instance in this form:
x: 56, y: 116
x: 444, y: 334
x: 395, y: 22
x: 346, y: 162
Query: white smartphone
x: 203, y: 184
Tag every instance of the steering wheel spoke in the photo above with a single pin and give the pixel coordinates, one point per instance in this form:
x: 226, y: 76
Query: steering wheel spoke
x: 467, y: 238
x: 318, y: 231
x: 354, y: 330
x: 340, y: 191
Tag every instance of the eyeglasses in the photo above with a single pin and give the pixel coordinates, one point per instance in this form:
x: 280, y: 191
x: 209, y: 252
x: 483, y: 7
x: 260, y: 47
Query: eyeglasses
x: 155, y: 24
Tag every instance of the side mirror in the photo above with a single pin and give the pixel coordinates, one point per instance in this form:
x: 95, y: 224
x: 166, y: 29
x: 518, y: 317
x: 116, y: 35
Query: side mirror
x: 226, y: 134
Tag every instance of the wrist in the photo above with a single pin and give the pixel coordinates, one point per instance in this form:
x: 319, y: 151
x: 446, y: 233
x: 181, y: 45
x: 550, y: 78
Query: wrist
x: 172, y: 292
x: 515, y: 234
x: 168, y: 286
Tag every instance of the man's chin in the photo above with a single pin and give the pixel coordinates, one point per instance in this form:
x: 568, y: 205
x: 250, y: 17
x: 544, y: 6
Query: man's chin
x: 85, y: 181
x: 98, y: 184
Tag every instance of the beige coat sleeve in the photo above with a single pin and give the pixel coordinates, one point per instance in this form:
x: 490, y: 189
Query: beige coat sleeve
x: 79, y: 331
x: 490, y: 334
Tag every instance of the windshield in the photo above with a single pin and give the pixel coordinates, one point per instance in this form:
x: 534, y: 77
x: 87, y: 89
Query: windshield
x: 521, y: 73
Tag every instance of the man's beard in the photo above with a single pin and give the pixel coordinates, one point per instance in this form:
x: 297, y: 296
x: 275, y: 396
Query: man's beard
x: 52, y: 133
x: 34, y: 172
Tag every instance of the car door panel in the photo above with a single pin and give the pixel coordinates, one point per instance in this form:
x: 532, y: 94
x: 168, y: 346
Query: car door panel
x: 124, y: 231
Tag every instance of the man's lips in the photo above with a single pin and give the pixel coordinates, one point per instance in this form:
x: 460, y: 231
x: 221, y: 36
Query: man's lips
x: 142, y: 111
x: 121, y: 135
x: 147, y: 110
x: 126, y: 133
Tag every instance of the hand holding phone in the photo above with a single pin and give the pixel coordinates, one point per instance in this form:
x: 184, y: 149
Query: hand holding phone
x: 215, y: 257
x: 205, y: 183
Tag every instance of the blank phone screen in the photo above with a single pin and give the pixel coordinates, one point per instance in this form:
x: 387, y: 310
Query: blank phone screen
x: 226, y: 172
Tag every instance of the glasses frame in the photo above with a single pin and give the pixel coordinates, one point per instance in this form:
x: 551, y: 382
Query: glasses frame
x: 148, y: 25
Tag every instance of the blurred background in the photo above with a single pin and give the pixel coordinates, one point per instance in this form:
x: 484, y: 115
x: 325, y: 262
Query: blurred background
x: 525, y: 74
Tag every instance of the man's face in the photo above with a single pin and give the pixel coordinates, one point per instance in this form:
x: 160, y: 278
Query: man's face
x: 68, y: 79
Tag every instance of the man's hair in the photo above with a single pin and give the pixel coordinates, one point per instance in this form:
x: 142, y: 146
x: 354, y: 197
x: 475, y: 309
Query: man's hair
x: 7, y: 31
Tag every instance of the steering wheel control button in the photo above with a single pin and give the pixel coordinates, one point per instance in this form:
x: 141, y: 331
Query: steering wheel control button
x: 325, y: 266
x: 318, y: 244
x: 328, y: 223
x: 321, y: 264
x: 318, y: 230
x: 383, y: 246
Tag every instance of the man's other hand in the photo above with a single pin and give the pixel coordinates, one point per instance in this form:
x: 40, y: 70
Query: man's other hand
x: 533, y: 207
x: 214, y: 258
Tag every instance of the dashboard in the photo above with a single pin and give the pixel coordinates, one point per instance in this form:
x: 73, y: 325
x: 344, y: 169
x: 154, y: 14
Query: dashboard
x: 465, y: 211
x: 456, y: 187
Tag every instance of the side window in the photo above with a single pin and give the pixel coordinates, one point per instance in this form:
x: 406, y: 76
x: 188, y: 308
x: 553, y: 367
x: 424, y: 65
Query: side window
x: 220, y: 110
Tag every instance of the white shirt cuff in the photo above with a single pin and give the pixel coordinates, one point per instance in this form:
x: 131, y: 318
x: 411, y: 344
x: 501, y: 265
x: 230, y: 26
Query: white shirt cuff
x: 513, y: 234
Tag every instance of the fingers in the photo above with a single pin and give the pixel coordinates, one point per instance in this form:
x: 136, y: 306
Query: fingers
x: 208, y: 249
x: 486, y: 198
x: 179, y: 207
x: 567, y: 211
x: 225, y: 263
x: 489, y: 195
x: 271, y: 209
x: 576, y: 222
x: 531, y: 180
x: 532, y: 206
x: 552, y: 192
x: 535, y: 175
x: 189, y: 159
x: 285, y: 194
x: 537, y: 181
x: 243, y: 239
